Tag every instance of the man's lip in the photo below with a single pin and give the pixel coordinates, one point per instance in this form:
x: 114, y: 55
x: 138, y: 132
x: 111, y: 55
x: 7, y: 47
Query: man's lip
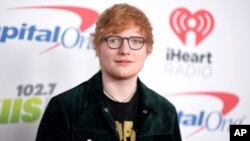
x: 123, y: 61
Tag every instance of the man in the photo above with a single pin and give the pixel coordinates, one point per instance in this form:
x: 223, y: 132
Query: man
x: 114, y: 104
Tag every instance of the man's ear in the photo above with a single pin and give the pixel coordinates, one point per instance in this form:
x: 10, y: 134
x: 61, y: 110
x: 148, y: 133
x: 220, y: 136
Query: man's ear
x: 97, y: 51
x: 149, y: 52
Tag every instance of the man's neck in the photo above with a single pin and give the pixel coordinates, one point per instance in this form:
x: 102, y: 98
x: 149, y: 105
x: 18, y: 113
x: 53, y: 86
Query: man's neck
x: 119, y: 89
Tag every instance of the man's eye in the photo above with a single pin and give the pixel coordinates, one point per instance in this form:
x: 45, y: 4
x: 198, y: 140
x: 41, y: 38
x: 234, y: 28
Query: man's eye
x: 137, y: 41
x: 114, y: 40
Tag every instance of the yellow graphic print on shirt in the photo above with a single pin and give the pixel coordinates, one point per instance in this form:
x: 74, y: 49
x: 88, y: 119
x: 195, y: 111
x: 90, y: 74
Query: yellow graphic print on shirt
x: 125, y: 131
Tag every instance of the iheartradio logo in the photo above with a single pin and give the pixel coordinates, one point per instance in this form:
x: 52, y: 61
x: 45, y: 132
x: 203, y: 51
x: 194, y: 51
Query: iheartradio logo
x: 201, y: 23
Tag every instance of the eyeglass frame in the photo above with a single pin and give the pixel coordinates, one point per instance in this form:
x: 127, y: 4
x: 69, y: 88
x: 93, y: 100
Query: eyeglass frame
x: 123, y: 38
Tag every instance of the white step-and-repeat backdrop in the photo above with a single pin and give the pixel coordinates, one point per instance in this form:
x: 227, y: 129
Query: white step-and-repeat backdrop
x: 200, y: 60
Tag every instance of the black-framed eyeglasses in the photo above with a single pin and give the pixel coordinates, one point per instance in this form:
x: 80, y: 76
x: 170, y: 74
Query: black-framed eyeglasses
x: 115, y: 42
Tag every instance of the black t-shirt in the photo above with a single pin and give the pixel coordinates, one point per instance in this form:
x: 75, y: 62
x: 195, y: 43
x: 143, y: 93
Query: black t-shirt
x: 125, y: 116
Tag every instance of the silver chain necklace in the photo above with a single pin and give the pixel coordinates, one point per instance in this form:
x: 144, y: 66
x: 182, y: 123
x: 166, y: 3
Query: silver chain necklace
x: 113, y: 98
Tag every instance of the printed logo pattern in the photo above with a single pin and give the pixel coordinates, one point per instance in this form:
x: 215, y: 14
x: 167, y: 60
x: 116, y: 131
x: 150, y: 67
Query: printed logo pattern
x: 201, y: 23
x: 229, y: 102
x: 87, y: 17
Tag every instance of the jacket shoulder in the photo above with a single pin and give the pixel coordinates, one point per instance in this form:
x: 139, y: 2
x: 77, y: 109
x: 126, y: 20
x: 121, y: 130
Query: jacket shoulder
x: 76, y: 98
x: 70, y: 101
x: 72, y: 95
x: 158, y: 101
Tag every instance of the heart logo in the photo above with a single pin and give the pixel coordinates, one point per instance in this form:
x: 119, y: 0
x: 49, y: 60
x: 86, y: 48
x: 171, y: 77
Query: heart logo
x: 201, y: 23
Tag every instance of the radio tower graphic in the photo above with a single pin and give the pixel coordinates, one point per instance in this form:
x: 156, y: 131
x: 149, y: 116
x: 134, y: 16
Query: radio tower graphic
x: 200, y: 23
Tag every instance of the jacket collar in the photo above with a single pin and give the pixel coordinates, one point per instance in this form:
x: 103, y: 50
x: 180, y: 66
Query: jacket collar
x: 94, y: 93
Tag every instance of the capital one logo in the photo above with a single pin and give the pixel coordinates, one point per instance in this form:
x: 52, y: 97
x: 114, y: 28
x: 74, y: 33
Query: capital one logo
x: 201, y: 23
x: 57, y: 35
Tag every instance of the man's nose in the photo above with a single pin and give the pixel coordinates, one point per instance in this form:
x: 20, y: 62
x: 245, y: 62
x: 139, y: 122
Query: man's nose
x: 124, y: 49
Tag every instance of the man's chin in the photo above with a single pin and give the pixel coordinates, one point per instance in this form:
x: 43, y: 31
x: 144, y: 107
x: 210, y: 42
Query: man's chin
x: 125, y: 76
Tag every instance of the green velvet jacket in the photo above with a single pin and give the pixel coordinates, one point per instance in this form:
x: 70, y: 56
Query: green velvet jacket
x: 80, y: 114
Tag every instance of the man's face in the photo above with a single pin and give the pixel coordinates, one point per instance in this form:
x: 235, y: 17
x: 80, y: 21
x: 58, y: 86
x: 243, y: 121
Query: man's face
x: 122, y: 63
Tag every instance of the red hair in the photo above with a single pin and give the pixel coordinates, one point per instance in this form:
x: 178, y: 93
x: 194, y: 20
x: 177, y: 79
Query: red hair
x: 120, y: 17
